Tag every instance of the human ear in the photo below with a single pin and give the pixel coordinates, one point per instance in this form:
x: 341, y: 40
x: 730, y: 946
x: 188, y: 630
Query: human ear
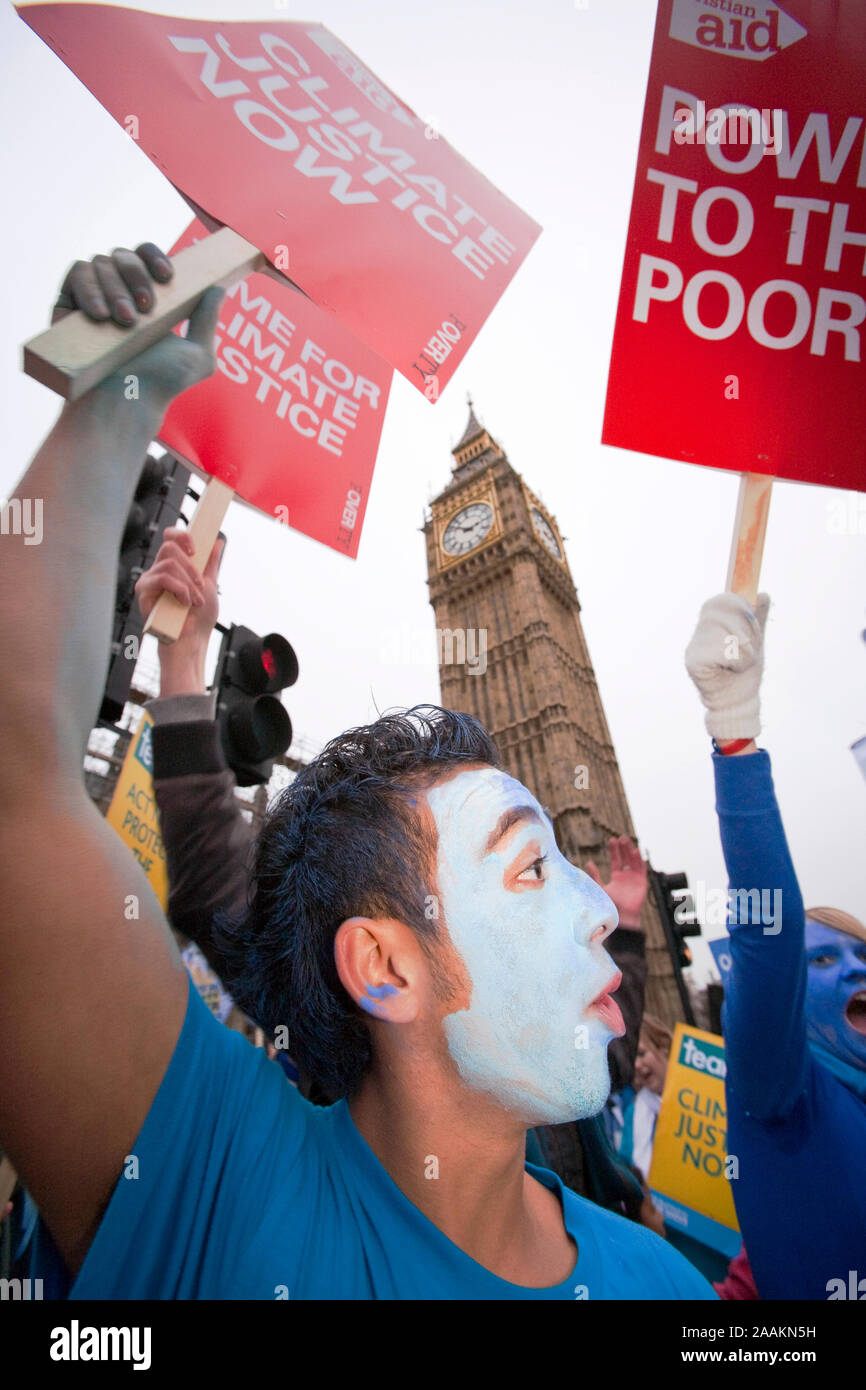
x: 379, y: 967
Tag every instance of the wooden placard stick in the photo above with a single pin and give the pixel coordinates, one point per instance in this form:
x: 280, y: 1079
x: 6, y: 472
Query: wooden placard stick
x: 750, y: 528
x: 168, y: 615
x: 76, y: 353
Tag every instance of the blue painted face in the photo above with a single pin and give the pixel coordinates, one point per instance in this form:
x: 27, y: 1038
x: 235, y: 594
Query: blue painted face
x: 836, y: 992
x: 529, y: 927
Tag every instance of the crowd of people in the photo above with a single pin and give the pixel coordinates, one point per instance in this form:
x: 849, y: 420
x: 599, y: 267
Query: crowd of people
x: 459, y: 1089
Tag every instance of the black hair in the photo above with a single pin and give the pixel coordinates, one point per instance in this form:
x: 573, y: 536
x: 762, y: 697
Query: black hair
x: 342, y: 840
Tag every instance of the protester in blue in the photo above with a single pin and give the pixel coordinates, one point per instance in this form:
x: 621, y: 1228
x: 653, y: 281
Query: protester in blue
x: 795, y: 1002
x: 412, y: 924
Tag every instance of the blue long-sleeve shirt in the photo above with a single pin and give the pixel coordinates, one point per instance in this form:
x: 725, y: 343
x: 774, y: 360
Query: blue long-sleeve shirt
x: 798, y: 1132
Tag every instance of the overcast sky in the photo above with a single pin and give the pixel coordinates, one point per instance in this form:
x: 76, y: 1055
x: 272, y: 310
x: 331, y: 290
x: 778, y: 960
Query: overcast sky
x: 547, y: 100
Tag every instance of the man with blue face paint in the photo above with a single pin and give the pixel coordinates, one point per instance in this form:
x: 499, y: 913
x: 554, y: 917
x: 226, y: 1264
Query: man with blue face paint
x: 531, y: 1036
x: 435, y: 959
x: 795, y: 1004
x: 836, y: 993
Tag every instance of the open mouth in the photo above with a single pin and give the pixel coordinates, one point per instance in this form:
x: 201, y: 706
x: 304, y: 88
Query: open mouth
x: 607, y: 1009
x: 855, y: 1012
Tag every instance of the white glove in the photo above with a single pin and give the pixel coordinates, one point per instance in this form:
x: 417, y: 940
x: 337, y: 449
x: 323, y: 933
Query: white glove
x: 725, y: 659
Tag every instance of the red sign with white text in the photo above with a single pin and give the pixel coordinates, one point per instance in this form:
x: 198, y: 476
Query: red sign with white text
x: 277, y: 130
x: 741, y: 330
x: 292, y: 417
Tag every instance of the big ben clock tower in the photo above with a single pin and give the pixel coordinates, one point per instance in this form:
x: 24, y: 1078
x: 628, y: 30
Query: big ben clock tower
x: 501, y: 588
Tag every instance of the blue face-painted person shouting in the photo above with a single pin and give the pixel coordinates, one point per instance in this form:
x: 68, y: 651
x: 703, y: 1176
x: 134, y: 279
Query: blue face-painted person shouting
x: 795, y: 1001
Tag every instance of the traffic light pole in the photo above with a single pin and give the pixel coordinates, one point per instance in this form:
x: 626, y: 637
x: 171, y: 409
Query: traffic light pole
x: 672, y: 942
x: 162, y: 486
x: 255, y: 727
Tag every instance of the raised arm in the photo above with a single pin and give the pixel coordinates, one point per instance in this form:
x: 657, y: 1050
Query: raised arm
x: 764, y: 1014
x: 207, y: 840
x: 93, y: 991
x: 627, y: 888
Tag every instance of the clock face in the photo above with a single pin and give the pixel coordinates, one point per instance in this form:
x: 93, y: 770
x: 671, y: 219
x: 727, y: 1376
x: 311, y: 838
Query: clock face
x: 467, y: 529
x: 544, y: 531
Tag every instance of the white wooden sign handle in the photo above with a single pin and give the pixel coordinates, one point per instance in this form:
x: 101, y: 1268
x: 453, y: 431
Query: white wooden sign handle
x: 76, y: 353
x: 168, y: 615
x: 750, y: 528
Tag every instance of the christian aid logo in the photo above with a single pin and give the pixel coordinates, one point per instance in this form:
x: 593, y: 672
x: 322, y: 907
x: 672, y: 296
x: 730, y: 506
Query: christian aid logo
x: 737, y: 30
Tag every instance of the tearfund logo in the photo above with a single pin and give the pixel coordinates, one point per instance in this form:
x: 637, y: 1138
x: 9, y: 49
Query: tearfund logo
x: 703, y: 1056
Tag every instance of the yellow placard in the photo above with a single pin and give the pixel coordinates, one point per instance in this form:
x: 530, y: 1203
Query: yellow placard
x: 690, y: 1162
x: 133, y: 812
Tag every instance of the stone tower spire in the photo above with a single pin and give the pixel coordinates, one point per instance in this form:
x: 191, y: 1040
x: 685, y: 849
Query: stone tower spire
x: 513, y: 653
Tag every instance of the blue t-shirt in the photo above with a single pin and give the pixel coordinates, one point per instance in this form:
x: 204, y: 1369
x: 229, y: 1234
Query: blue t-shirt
x: 246, y: 1191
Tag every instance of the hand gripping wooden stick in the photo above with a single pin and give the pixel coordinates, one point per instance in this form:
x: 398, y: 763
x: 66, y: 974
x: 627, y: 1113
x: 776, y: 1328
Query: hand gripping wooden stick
x: 750, y: 528
x: 76, y: 354
x: 168, y: 615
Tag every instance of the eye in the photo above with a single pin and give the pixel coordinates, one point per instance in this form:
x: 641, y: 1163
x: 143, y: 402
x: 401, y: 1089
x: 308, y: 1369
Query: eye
x: 823, y: 958
x: 534, y: 872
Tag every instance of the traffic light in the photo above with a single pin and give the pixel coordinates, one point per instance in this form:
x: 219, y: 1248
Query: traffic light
x: 679, y: 907
x: 161, y: 489
x: 254, y: 724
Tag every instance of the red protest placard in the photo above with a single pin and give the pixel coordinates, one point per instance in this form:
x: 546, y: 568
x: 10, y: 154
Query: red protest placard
x: 292, y: 417
x: 741, y: 329
x: 277, y: 130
